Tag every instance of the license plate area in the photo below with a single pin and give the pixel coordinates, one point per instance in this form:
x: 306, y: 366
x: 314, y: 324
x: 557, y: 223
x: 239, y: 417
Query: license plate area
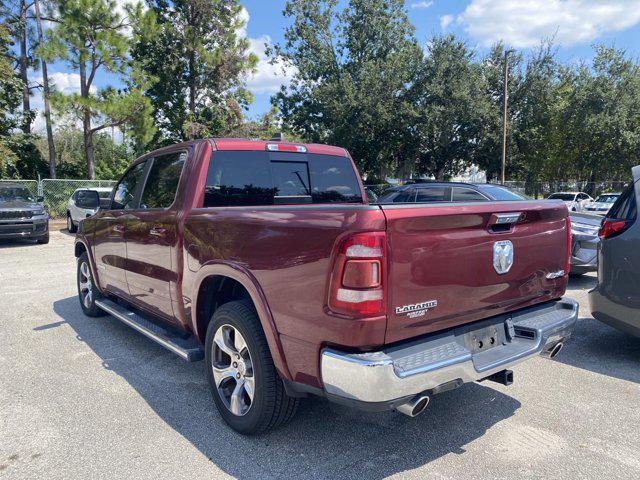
x: 485, y: 338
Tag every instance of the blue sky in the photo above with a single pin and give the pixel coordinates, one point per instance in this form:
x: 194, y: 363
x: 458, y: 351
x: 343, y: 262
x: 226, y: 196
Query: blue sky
x: 575, y: 24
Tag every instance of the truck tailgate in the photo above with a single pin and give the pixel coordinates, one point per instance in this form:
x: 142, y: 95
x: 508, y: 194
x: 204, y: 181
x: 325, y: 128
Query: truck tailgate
x: 441, y: 262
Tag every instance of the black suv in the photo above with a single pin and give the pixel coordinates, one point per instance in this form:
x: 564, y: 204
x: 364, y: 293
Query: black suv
x: 21, y: 214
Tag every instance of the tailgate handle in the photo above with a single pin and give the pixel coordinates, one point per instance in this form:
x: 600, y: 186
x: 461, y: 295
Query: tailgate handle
x: 502, y: 222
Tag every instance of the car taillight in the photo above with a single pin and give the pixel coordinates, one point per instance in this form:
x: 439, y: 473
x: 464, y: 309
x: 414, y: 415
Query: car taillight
x: 567, y: 267
x: 611, y: 227
x: 358, y: 277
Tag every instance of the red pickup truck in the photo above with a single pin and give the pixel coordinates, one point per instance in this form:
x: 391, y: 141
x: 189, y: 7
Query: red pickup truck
x: 266, y: 260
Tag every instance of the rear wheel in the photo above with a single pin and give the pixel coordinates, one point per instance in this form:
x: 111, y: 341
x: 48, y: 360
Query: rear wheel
x: 246, y: 388
x: 70, y: 225
x: 87, y: 293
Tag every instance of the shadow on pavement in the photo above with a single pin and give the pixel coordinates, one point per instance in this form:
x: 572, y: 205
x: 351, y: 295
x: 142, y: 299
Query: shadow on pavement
x: 602, y: 349
x: 581, y: 282
x: 323, y: 440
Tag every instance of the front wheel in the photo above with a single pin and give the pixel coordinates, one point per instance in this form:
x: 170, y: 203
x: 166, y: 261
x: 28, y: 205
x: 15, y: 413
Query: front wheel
x: 87, y: 293
x: 246, y: 388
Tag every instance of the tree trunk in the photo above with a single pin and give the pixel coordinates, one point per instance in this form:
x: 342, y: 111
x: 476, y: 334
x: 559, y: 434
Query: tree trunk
x: 47, y: 107
x: 86, y: 124
x: 23, y: 66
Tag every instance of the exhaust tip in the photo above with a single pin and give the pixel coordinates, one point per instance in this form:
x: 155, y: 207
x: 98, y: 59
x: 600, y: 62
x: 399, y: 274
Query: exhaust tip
x: 554, y: 350
x: 415, y: 406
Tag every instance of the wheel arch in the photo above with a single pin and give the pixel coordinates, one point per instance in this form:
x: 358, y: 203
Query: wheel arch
x: 219, y: 283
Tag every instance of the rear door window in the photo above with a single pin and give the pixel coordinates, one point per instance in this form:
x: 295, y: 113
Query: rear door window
x: 250, y: 178
x: 432, y: 194
x: 461, y: 194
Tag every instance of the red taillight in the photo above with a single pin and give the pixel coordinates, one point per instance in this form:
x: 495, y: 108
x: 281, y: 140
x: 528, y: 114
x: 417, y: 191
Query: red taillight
x: 567, y: 267
x: 611, y: 227
x: 357, y: 281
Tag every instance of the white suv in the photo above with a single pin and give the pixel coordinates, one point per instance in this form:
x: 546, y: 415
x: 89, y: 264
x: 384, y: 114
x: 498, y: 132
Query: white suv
x: 83, y: 203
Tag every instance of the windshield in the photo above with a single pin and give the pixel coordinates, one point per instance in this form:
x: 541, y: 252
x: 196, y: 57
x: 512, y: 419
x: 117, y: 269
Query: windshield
x: 501, y: 193
x: 8, y: 194
x: 607, y: 198
x: 567, y: 197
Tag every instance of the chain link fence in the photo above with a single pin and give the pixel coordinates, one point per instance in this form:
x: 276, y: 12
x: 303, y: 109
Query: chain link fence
x: 544, y: 189
x: 56, y: 192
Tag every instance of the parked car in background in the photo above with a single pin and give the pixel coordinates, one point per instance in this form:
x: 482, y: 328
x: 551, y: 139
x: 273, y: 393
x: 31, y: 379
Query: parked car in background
x: 85, y: 202
x: 448, y: 192
x: 584, y: 242
x: 265, y: 260
x: 575, y: 201
x: 616, y: 298
x: 22, y: 215
x: 602, y: 204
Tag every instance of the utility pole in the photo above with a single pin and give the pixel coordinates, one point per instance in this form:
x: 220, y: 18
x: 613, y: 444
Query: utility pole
x: 505, y: 101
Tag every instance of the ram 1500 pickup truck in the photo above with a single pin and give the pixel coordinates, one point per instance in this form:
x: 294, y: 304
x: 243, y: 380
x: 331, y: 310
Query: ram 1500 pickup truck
x: 266, y: 260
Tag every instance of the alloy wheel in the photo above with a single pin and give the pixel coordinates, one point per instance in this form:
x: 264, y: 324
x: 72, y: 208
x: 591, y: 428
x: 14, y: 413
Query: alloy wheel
x: 86, y: 285
x: 233, y: 370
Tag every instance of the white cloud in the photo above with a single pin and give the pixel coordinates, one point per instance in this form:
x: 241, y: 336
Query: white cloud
x: 523, y: 24
x: 63, y: 82
x: 423, y: 4
x: 445, y: 21
x: 268, y: 76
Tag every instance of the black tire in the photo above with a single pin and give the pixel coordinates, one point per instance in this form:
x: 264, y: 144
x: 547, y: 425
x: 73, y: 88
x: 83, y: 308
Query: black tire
x: 43, y: 240
x: 270, y: 407
x: 71, y: 227
x: 89, y: 308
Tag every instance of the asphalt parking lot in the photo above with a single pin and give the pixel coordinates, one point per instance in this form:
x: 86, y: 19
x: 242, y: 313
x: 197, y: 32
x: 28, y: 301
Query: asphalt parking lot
x: 90, y: 398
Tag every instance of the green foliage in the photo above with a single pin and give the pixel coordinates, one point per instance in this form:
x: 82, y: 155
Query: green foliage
x: 352, y: 68
x: 111, y: 158
x: 451, y: 107
x: 20, y: 157
x: 197, y: 63
x: 10, y: 86
x: 91, y: 35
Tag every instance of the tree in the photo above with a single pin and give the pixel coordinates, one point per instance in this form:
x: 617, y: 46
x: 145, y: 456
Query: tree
x: 10, y: 85
x: 91, y: 35
x: 199, y: 63
x: 46, y: 96
x: 451, y: 107
x: 352, y: 68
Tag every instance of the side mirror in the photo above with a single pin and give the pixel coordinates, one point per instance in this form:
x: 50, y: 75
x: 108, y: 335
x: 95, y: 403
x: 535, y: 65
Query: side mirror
x: 39, y: 199
x: 88, y: 199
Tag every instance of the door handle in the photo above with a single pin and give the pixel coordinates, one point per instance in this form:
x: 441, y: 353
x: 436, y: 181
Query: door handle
x: 158, y: 232
x: 118, y: 228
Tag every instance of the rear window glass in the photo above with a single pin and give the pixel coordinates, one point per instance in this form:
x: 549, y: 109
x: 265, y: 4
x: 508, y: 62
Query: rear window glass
x: 625, y: 207
x: 466, y: 195
x: 567, y: 197
x: 394, y: 195
x: 500, y: 193
x: 431, y: 194
x: 266, y: 178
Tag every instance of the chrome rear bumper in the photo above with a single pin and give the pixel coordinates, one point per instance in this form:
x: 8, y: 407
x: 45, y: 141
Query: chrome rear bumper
x: 443, y: 360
